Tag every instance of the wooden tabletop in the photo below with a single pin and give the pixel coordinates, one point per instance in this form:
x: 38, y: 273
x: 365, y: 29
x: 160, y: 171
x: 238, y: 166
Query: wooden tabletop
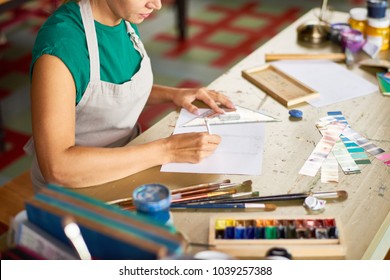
x: 287, y: 146
x: 364, y: 215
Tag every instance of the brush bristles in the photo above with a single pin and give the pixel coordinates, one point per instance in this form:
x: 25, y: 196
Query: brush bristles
x: 342, y: 195
x: 247, y: 183
x: 270, y: 207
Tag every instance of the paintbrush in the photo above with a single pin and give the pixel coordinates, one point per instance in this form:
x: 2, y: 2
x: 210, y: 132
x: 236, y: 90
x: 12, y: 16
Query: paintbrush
x: 207, y: 189
x: 266, y: 207
x: 128, y: 200
x: 191, y: 190
x: 205, y: 195
x: 220, y: 199
x: 184, y: 199
x: 200, y: 186
x: 340, y: 195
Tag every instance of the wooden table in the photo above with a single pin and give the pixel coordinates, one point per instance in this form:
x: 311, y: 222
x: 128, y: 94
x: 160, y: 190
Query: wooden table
x: 364, y: 215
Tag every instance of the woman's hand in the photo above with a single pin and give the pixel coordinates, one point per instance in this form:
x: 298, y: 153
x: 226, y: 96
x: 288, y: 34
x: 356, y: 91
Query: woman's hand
x: 213, y: 99
x: 191, y: 147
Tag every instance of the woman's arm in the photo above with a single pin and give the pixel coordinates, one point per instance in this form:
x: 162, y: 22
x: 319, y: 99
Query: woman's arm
x: 64, y: 163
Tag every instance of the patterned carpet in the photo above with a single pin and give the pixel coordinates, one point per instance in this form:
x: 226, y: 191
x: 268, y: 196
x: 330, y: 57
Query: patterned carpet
x: 220, y: 33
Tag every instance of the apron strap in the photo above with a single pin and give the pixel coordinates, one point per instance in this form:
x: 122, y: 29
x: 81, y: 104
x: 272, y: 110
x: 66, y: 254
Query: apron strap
x: 90, y: 33
x: 135, y: 39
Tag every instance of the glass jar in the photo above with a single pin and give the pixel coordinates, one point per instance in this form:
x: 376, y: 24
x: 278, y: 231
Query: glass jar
x: 358, y: 19
x: 378, y: 32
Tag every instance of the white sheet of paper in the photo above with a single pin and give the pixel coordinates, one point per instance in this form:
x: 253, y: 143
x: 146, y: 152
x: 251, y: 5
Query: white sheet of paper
x: 332, y: 81
x: 240, y: 151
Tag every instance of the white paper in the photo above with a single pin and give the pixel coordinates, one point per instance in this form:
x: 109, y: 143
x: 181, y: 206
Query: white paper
x: 333, y: 82
x: 240, y: 151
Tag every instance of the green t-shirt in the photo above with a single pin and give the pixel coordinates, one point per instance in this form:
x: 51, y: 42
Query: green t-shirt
x: 63, y: 36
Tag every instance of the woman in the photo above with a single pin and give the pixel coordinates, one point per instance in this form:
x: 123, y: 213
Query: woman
x: 91, y: 78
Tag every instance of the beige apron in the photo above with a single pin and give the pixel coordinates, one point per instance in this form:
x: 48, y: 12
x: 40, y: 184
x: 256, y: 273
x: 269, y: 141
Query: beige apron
x: 107, y: 114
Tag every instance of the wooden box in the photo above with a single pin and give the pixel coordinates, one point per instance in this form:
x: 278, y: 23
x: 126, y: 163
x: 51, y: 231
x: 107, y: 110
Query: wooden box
x: 316, y: 237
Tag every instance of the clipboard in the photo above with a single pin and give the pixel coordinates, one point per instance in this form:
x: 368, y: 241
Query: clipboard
x: 284, y: 88
x: 240, y: 115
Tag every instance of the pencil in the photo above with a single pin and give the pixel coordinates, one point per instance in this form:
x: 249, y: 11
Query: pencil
x: 266, y: 207
x: 208, y: 125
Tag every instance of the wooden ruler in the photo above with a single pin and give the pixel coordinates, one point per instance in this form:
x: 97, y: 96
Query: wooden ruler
x: 305, y: 56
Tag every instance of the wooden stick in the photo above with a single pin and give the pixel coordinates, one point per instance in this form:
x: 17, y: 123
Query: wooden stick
x: 304, y: 56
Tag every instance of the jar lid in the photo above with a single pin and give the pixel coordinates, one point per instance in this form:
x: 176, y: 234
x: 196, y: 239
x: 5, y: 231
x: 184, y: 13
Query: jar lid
x: 314, y: 204
x: 339, y: 26
x: 151, y: 198
x: 377, y: 3
x: 379, y: 22
x: 351, y: 36
x: 358, y: 13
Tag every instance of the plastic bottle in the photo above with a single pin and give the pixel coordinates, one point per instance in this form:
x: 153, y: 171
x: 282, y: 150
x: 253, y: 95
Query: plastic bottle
x: 358, y: 19
x: 378, y: 31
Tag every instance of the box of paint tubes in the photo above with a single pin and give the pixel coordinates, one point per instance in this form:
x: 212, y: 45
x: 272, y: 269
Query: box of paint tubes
x: 251, y: 236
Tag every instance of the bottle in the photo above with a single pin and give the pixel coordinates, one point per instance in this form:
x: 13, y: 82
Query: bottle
x: 153, y: 200
x: 378, y: 31
x: 358, y: 19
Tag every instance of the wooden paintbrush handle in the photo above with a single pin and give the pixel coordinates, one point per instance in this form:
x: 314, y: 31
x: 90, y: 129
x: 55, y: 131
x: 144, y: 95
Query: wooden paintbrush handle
x: 197, y: 187
x: 304, y: 56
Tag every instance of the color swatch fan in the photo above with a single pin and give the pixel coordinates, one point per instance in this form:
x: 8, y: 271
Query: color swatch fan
x: 240, y: 115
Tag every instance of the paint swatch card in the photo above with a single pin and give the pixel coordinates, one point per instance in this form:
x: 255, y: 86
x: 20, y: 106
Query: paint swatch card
x: 361, y: 141
x: 322, y: 149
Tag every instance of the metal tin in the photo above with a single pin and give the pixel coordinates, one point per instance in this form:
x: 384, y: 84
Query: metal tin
x: 313, y: 32
x: 152, y: 198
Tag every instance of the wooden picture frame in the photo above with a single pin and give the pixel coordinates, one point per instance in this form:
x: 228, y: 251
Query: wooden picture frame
x: 284, y: 88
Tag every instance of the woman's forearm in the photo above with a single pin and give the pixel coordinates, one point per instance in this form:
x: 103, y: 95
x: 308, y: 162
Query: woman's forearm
x: 79, y: 167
